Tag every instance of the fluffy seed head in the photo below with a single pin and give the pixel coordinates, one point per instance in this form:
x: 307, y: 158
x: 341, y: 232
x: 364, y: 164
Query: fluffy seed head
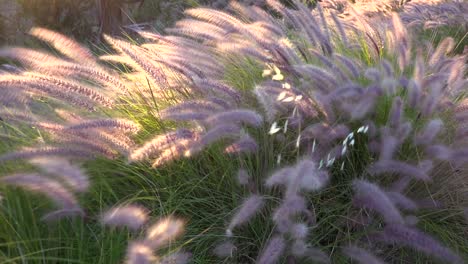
x: 131, y: 216
x: 248, y: 209
x: 272, y: 251
x: 361, y: 256
x: 371, y: 196
x: 163, y: 231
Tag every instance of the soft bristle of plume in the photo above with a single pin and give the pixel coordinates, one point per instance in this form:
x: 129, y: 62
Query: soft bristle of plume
x: 131, y: 216
x: 273, y: 250
x: 63, y: 44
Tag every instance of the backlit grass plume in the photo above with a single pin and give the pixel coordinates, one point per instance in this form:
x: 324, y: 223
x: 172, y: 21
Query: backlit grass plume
x: 159, y: 234
x: 59, y: 181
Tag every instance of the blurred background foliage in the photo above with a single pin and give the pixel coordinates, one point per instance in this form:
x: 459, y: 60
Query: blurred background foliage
x: 84, y: 19
x: 87, y: 19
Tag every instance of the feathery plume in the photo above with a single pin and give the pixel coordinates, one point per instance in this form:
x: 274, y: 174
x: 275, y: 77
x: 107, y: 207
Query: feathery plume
x: 373, y: 74
x: 70, y: 86
x: 429, y: 133
x: 63, y: 44
x: 407, y: 236
x: 371, y: 196
x: 185, y: 116
x: 95, y: 147
x: 310, y: 25
x: 236, y: 116
x: 363, y: 106
x: 119, y: 124
x: 267, y: 103
x: 323, y: 22
x: 402, y: 43
x: 245, y: 144
x: 285, y: 213
x: 131, y: 216
x: 272, y: 251
x: 306, y: 177
x: 137, y: 55
x: 349, y: 64
x: 396, y: 112
x: 388, y: 146
x: 388, y: 68
x: 43, y: 185
x: 193, y: 106
x: 361, y: 256
x: 139, y: 253
x: 219, y: 132
x: 17, y: 115
x: 323, y: 79
x: 28, y: 57
x: 163, y: 231
x: 159, y: 143
x: 456, y: 74
x: 46, y: 151
x: 90, y: 73
x: 280, y: 177
x: 248, y: 209
x: 399, y: 167
x: 182, y: 148
x: 216, y: 17
x: 73, y: 176
x: 10, y: 97
x: 119, y: 142
x: 323, y: 132
x: 389, y: 85
x: 197, y: 29
x: 64, y: 91
x: 205, y: 85
x: 443, y: 48
x: 339, y: 26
